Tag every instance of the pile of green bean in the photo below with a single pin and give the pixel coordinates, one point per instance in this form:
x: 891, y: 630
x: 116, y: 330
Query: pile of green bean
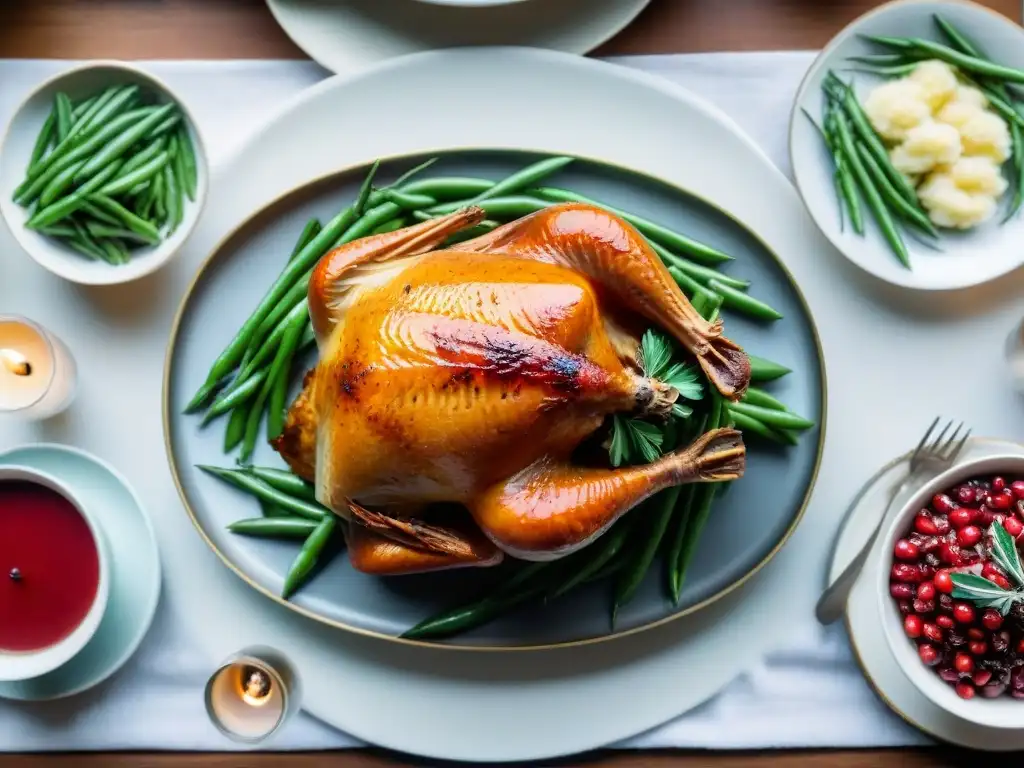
x: 251, y: 377
x: 109, y: 173
x: 860, y: 161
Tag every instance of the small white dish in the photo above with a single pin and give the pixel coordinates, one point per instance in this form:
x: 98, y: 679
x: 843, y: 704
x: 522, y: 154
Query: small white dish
x: 16, y: 150
x: 967, y: 258
x: 24, y: 665
x: 864, y: 624
x: 134, y: 570
x: 999, y: 712
x: 346, y: 36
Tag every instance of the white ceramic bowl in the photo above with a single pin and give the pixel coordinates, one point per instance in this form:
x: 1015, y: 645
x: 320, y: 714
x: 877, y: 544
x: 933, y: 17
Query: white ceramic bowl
x: 1001, y: 712
x: 27, y: 665
x: 16, y: 150
x: 967, y: 258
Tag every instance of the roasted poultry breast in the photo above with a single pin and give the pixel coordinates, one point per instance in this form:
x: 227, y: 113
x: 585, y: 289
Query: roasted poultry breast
x: 470, y: 375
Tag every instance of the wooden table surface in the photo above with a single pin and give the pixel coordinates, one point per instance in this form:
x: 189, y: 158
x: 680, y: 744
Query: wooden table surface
x: 236, y: 29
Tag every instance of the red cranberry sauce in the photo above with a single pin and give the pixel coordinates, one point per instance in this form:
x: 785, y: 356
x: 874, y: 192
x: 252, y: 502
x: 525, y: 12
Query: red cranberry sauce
x: 977, y: 651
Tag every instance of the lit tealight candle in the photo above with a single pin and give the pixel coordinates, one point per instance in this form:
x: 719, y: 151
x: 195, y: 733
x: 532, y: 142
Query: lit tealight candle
x: 37, y: 372
x: 252, y: 694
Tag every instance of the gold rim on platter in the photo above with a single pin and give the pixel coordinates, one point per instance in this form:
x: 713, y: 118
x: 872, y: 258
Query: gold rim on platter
x: 328, y: 179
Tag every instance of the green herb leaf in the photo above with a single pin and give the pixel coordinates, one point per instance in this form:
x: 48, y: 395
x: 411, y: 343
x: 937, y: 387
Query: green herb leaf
x: 1004, y: 551
x: 656, y: 353
x: 686, y: 379
x: 984, y: 593
x: 646, y: 438
x: 618, y: 450
x: 681, y: 411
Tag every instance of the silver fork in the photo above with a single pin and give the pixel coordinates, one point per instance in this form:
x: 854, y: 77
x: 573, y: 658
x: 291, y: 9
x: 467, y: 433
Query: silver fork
x: 935, y: 456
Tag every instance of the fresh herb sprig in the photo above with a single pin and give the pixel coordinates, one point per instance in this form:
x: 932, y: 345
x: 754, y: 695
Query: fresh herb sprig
x: 988, y: 594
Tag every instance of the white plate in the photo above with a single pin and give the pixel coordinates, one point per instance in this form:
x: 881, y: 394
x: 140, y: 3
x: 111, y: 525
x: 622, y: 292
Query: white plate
x: 864, y: 623
x: 544, y: 703
x: 347, y: 35
x: 970, y: 258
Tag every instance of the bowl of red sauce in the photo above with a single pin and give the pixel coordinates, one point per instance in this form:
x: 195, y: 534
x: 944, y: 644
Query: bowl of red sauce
x: 54, y: 579
x: 951, y: 590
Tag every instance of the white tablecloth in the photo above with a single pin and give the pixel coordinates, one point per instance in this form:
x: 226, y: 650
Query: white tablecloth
x: 809, y: 695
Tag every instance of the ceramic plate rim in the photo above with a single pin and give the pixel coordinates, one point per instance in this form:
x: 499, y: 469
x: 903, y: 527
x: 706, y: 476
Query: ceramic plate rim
x: 131, y: 648
x: 216, y: 254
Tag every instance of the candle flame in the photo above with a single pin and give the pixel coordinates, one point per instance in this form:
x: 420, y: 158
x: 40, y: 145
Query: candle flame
x: 256, y: 687
x: 15, y: 362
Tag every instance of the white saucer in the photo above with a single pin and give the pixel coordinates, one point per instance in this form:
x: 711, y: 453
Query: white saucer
x: 134, y: 570
x: 864, y: 625
x: 345, y: 36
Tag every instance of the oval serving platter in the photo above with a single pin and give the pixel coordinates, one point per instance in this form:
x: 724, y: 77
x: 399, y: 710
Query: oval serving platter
x: 749, y: 523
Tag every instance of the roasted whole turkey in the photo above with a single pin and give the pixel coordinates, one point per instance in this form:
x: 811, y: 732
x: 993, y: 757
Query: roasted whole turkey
x: 467, y: 377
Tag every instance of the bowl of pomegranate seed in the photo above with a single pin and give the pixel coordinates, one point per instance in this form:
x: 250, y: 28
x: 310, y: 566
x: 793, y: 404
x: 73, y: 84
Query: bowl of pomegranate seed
x: 952, y: 590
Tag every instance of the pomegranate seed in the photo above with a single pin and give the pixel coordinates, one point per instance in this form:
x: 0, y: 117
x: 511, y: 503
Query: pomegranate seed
x: 901, y: 591
x: 907, y: 550
x: 946, y: 622
x: 998, y: 484
x: 906, y: 573
x: 964, y: 663
x: 941, y: 525
x: 1019, y: 506
x: 1000, y: 501
x: 984, y: 517
x: 905, y: 607
x: 929, y: 655
x: 965, y: 494
x: 932, y: 632
x: 990, y: 569
x: 991, y: 619
x: 975, y: 634
x: 912, y: 625
x: 978, y: 648
x: 950, y: 554
x: 923, y: 606
x: 1017, y: 488
x: 1001, y: 581
x: 967, y: 536
x: 923, y: 523
x: 943, y: 581
x: 958, y: 518
x: 1000, y: 641
x: 965, y: 690
x: 963, y: 613
x: 1020, y: 645
x: 949, y: 674
x: 981, y: 677
x: 1013, y: 526
x: 926, y: 590
x: 942, y: 504
x: 993, y: 690
x: 1017, y: 678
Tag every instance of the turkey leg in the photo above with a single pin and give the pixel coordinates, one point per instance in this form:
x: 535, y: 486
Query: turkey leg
x: 613, y: 254
x: 551, y: 509
x: 372, y: 553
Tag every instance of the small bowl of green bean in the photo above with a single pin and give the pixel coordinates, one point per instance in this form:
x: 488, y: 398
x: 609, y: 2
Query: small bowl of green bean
x: 102, y: 174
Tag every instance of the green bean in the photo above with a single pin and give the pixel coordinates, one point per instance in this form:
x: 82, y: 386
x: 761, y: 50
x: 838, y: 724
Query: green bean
x: 862, y: 126
x: 741, y: 302
x: 59, y: 159
x: 846, y: 187
x: 683, y: 510
x: 311, y: 230
x: 390, y: 226
x: 100, y: 215
x: 268, y: 347
x: 82, y: 236
x: 68, y: 205
x: 84, y: 112
x: 900, y: 70
x: 696, y: 271
x: 103, y: 110
x: 102, y: 229
x: 762, y: 370
x: 59, y: 183
x: 285, y: 481
x: 470, y: 616
x: 522, y: 179
x: 127, y: 218
x: 162, y: 129
x: 408, y: 201
x: 122, y: 143
x: 469, y: 233
x: 910, y: 214
x: 882, y: 59
x: 274, y: 527
x: 610, y: 568
x: 956, y: 58
x: 44, y: 139
x: 596, y: 556
x: 756, y: 396
x: 159, y: 199
x: 690, y: 286
x: 116, y: 250
x: 633, y: 575
x: 511, y: 207
x: 272, y: 510
x: 141, y: 174
x: 288, y: 302
x: 187, y: 156
x: 303, y: 262
x: 749, y: 425
x: 81, y: 107
x: 654, y: 232
x: 256, y: 487
x: 278, y: 368
x: 139, y: 159
x: 956, y: 37
x: 235, y: 430
x: 174, y: 198
x: 871, y: 194
x: 1017, y: 136
x: 772, y: 417
x: 279, y: 394
x: 309, y: 555
x: 57, y: 230
x: 234, y: 397
x: 62, y: 106
x: 85, y: 248
x: 448, y: 188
